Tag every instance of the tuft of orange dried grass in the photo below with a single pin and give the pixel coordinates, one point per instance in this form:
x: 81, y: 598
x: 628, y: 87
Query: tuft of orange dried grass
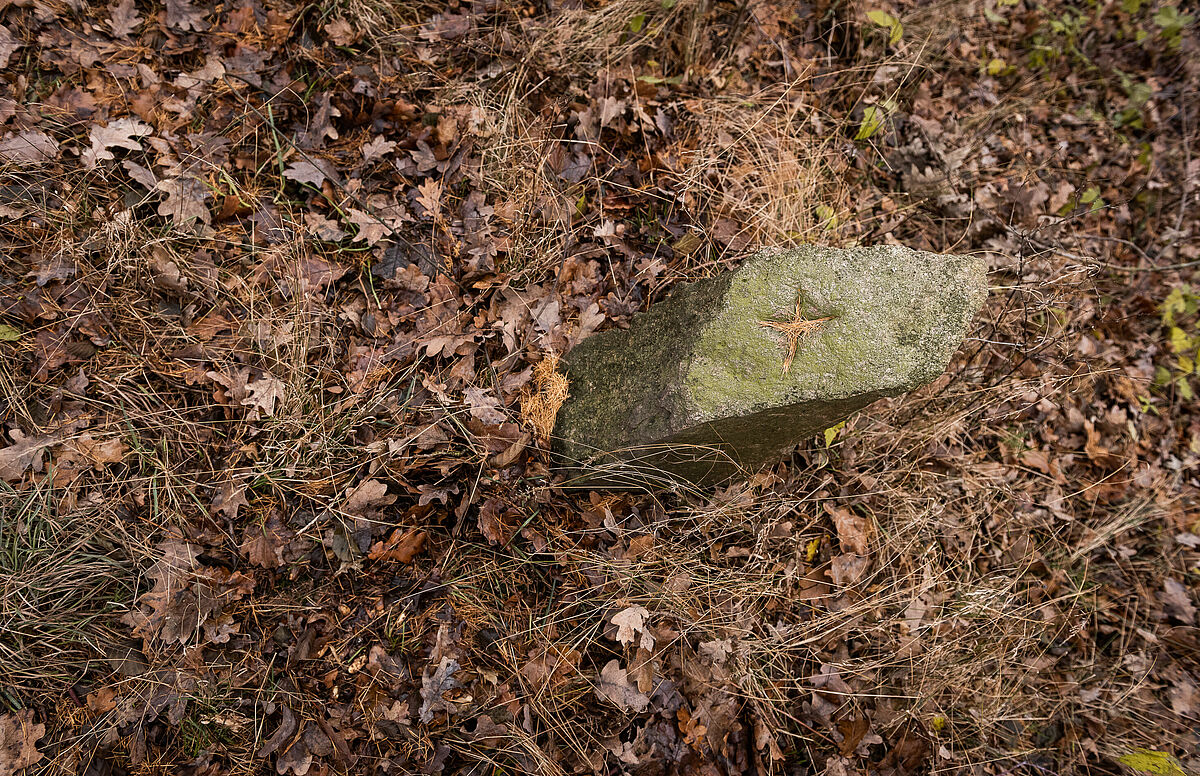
x: 540, y: 406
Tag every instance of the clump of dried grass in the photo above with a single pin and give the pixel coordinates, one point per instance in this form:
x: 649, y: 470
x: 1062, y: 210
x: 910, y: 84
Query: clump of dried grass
x: 586, y: 39
x: 540, y: 404
x: 759, y: 168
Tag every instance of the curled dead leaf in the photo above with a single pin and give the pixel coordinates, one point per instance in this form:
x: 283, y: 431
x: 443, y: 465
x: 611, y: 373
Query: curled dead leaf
x: 401, y: 546
x: 854, y: 531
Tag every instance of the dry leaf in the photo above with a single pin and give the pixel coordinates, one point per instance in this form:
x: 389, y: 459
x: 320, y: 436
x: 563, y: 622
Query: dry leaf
x: 282, y: 734
x: 230, y: 497
x: 165, y: 612
x: 123, y: 18
x: 321, y: 127
x: 401, y: 546
x: 102, y: 701
x: 259, y: 394
x: 182, y: 16
x: 323, y: 228
x: 304, y: 171
x: 377, y: 148
x: 854, y: 532
x: 28, y: 148
x: 430, y: 197
x: 509, y: 455
x: 434, y: 688
x: 340, y: 32
x: 19, y: 735
x: 9, y: 44
x: 263, y: 394
x: 368, y: 498
x: 717, y: 651
x: 101, y: 453
x: 1177, y: 603
x: 484, y: 406
x: 610, y: 109
x: 120, y: 133
x: 489, y: 522
x: 613, y: 685
x: 848, y: 569
x: 369, y: 228
x: 185, y: 200
x: 549, y: 668
x: 487, y: 733
x: 263, y: 546
x: 629, y: 622
x: 22, y: 455
x: 213, y: 69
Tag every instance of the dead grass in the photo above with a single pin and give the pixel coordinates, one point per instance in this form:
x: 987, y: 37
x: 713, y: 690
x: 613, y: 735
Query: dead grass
x: 973, y: 594
x: 65, y: 571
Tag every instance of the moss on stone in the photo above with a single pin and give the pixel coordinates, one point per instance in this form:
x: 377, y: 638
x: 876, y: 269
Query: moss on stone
x: 696, y: 385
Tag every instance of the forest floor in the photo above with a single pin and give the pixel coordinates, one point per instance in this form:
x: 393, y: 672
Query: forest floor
x: 276, y: 280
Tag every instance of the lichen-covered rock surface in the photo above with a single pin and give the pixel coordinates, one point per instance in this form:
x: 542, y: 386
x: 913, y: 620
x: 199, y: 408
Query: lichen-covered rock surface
x: 695, y: 388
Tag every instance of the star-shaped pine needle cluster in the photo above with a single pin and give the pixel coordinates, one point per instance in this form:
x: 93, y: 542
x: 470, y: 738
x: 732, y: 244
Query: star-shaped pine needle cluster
x: 794, y: 329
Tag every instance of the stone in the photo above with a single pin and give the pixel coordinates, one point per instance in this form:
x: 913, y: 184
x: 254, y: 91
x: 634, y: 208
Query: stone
x: 696, y: 388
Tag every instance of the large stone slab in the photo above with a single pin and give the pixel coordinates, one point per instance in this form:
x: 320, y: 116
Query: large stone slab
x: 695, y: 389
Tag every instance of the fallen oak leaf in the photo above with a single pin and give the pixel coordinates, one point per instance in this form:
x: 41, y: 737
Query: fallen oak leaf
x: 430, y: 198
x: 182, y: 16
x: 854, y: 532
x: 487, y: 733
x: 549, y: 667
x: 123, y: 19
x: 490, y: 524
x: 629, y: 622
x: 1176, y: 601
x: 484, y: 406
x: 212, y: 70
x: 9, y: 44
x: 377, y: 148
x: 368, y: 228
x: 613, y: 685
x: 340, y: 32
x: 847, y: 569
x: 185, y: 200
x: 29, y: 147
x: 263, y: 545
x: 323, y: 228
x: 264, y: 393
x: 283, y: 733
x: 321, y: 127
x: 400, y: 547
x: 18, y: 741
x: 119, y: 133
x: 296, y: 758
x: 434, y: 688
x: 367, y: 498
x: 168, y: 611
x: 23, y: 454
x: 101, y: 453
x: 313, y: 173
x: 102, y: 700
x: 229, y: 498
